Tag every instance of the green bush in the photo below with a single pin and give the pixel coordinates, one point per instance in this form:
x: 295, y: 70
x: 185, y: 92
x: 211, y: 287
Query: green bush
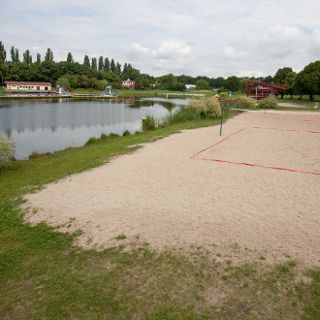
x: 148, y: 123
x: 6, y: 151
x: 206, y: 107
x: 268, y: 103
x: 91, y: 141
x: 126, y: 133
x: 184, y: 115
x: 246, y: 102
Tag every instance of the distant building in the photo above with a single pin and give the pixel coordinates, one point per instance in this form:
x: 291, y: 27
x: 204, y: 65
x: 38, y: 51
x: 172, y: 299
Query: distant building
x: 128, y: 84
x: 190, y: 86
x: 259, y: 89
x: 27, y: 87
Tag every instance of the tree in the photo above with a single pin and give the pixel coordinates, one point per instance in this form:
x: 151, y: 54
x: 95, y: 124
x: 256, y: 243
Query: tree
x: 202, y: 84
x: 16, y: 55
x: 70, y: 57
x: 100, y: 63
x: 268, y: 79
x: 3, y: 53
x: 94, y: 64
x: 112, y: 66
x: 289, y: 83
x: 86, y: 61
x: 49, y: 55
x: 106, y: 66
x: 118, y: 68
x: 308, y: 80
x: 38, y: 58
x: 281, y: 74
x: 219, y: 83
x: 13, y: 54
x: 129, y: 72
x: 27, y: 57
x: 233, y: 83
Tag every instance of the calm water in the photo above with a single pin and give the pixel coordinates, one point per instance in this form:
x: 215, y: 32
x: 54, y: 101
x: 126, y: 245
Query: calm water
x: 51, y: 125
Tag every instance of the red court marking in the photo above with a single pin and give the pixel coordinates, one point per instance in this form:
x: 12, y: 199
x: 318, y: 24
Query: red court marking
x: 289, y: 130
x: 215, y: 144
x: 249, y: 164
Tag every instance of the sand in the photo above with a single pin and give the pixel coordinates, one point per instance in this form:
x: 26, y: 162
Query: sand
x: 169, y: 194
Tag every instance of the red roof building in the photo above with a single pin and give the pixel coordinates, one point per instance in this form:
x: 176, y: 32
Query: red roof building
x: 129, y: 84
x: 260, y: 90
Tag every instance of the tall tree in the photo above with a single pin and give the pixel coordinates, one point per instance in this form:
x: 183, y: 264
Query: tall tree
x: 3, y: 53
x: 118, y: 68
x: 13, y: 54
x: 70, y: 57
x: 16, y: 55
x: 94, y: 64
x: 113, y: 66
x: 100, y: 63
x: 27, y: 57
x: 49, y: 55
x: 38, y: 58
x: 106, y: 66
x: 86, y: 61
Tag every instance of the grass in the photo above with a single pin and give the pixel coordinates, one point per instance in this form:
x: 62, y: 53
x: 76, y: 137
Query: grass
x: 43, y: 276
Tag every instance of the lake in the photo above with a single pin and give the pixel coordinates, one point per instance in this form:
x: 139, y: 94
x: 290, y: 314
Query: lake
x: 52, y: 125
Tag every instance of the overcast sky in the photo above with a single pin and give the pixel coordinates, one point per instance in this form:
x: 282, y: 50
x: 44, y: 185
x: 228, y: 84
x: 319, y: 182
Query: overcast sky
x: 197, y: 37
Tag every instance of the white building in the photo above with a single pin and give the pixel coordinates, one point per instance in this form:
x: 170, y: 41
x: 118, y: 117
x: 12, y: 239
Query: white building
x: 190, y: 86
x: 27, y: 87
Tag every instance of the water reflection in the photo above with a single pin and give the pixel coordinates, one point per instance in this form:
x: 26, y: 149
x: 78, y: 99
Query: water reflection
x: 51, y: 125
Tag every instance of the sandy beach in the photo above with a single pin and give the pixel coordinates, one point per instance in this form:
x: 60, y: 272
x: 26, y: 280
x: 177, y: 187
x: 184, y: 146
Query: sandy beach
x: 257, y: 188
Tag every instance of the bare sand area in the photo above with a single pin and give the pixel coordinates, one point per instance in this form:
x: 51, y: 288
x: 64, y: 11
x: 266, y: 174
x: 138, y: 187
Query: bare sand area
x: 257, y: 188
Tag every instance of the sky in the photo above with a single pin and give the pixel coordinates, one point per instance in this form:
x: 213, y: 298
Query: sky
x: 194, y: 37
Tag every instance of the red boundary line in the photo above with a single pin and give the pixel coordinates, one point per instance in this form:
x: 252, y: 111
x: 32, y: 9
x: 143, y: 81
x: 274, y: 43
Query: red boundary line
x: 215, y: 144
x: 249, y: 164
x: 289, y: 130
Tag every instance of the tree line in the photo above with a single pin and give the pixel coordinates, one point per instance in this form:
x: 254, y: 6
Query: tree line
x: 99, y: 72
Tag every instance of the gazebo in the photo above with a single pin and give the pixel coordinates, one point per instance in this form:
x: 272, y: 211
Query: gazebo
x: 260, y: 90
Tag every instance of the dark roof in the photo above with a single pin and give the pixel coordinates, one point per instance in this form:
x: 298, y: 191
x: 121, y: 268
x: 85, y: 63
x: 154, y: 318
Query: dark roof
x: 279, y: 87
x: 28, y: 83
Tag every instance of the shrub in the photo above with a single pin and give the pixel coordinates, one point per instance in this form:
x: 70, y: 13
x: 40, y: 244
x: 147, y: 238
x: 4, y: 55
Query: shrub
x: 246, y: 102
x: 214, y: 107
x: 36, y: 154
x: 184, y: 115
x: 126, y: 133
x: 148, y: 123
x: 206, y: 107
x: 6, y: 151
x: 268, y: 103
x: 91, y: 141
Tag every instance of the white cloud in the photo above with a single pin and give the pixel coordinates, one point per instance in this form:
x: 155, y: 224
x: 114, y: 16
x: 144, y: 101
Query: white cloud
x: 232, y: 53
x: 205, y: 37
x: 166, y: 50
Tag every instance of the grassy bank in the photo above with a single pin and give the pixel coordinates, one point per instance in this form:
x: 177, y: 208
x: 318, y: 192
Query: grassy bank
x: 42, y: 276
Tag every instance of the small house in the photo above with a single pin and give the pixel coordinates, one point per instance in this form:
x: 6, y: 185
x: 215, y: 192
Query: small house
x: 128, y: 84
x: 24, y: 87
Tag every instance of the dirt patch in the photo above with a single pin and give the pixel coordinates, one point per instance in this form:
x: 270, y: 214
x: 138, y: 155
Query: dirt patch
x: 162, y: 195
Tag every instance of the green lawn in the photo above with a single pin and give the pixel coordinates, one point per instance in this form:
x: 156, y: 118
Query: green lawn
x: 43, y: 276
